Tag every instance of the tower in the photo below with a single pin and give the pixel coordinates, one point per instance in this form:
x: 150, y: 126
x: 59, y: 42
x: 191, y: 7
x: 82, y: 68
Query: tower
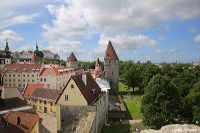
x: 36, y: 46
x: 111, y: 68
x: 97, y: 65
x: 6, y: 47
x: 72, y: 62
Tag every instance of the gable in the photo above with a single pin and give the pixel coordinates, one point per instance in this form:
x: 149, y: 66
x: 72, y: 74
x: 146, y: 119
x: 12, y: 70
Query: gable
x: 74, y: 95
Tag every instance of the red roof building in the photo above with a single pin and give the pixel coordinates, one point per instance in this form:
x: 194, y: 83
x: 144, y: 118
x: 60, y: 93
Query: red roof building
x: 30, y: 88
x: 110, y: 53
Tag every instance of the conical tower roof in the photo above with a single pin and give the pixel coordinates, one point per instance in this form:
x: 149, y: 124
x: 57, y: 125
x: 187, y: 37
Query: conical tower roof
x: 110, y: 53
x: 97, y: 62
x: 72, y: 57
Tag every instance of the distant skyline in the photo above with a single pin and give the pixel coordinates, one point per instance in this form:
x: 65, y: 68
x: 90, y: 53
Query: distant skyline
x: 140, y: 30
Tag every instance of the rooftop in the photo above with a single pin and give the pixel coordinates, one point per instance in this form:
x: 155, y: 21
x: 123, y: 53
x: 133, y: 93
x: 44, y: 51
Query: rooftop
x: 72, y: 57
x: 30, y: 88
x: 110, y: 53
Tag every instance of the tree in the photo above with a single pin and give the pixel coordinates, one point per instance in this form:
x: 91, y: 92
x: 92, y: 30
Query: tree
x: 193, y: 99
x: 39, y: 54
x: 160, y: 103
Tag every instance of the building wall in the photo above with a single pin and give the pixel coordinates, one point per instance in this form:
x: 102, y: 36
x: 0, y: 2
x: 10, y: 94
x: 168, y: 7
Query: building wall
x: 36, y: 128
x: 51, y: 109
x: 55, y: 81
x: 75, y: 97
x: 72, y: 64
x: 20, y: 79
x: 111, y: 68
x: 10, y: 93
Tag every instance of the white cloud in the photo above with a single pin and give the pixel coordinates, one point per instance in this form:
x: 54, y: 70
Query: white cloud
x: 158, y: 51
x: 121, y: 43
x: 26, y: 48
x: 197, y: 39
x: 192, y: 30
x: 19, y: 12
x: 10, y: 35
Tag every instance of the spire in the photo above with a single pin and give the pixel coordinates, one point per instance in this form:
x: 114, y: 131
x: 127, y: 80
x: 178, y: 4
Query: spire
x: 36, y: 46
x: 72, y: 57
x: 6, y: 47
x: 110, y: 53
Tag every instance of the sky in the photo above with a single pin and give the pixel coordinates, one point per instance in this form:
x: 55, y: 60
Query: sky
x: 140, y: 30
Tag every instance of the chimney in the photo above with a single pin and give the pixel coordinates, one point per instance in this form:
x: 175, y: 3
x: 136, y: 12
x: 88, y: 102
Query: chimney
x: 18, y: 120
x: 84, y: 78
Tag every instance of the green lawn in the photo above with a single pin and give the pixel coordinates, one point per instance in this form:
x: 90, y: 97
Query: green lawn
x: 118, y: 128
x: 133, y: 107
x: 124, y: 88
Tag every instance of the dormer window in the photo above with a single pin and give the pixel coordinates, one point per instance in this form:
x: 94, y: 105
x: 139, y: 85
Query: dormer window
x: 6, y: 69
x: 14, y: 70
x: 33, y: 70
x: 24, y: 70
x: 37, y: 70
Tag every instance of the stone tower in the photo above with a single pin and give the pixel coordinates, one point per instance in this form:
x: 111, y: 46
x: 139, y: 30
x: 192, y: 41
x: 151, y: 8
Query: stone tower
x: 111, y: 68
x: 36, y: 46
x: 72, y: 62
x: 6, y: 47
x: 97, y: 65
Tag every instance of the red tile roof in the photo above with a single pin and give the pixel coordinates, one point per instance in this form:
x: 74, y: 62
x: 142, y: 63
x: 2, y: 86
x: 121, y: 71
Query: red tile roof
x: 97, y: 62
x: 86, y: 90
x: 72, y: 57
x: 27, y: 120
x: 110, y: 53
x: 21, y: 67
x: 48, y: 94
x: 46, y: 51
x: 30, y: 88
x: 54, y: 71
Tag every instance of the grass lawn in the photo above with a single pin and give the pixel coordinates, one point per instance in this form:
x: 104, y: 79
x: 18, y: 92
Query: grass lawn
x: 118, y: 128
x: 133, y: 107
x: 124, y: 88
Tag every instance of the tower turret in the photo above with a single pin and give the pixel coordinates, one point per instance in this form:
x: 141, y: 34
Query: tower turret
x: 111, y: 68
x: 36, y: 46
x: 72, y: 62
x: 6, y: 47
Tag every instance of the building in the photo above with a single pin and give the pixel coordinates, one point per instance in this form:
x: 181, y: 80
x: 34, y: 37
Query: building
x: 10, y: 92
x: 82, y: 94
x: 72, y: 61
x: 55, y: 78
x: 20, y: 122
x: 30, y: 87
x: 48, y: 55
x: 22, y: 56
x: 111, y: 68
x: 44, y: 100
x: 5, y: 55
x: 19, y: 75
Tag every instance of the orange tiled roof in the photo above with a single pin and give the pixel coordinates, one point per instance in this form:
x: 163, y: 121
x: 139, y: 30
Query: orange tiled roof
x: 72, y: 57
x: 21, y: 67
x: 27, y: 120
x: 30, y: 88
x: 110, y: 53
x: 53, y: 71
x: 46, y: 51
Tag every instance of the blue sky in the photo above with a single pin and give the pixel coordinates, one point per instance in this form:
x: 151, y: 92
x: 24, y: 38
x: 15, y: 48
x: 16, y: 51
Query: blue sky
x: 139, y: 30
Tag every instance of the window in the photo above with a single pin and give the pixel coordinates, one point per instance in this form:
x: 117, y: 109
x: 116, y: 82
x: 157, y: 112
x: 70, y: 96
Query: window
x: 24, y: 85
x: 45, y: 102
x: 10, y: 80
x: 9, y: 75
x: 18, y: 80
x: 40, y: 101
x: 66, y: 97
x: 13, y: 80
x: 44, y: 79
x: 19, y: 85
x: 24, y: 80
x: 28, y: 80
x: 24, y: 75
x: 14, y: 85
x: 27, y: 75
x: 32, y: 75
x: 32, y: 80
x: 72, y: 86
x: 35, y: 100
x: 41, y: 79
x: 5, y: 84
x: 13, y: 75
x: 51, y: 103
x: 18, y: 75
x: 5, y: 79
x: 9, y: 84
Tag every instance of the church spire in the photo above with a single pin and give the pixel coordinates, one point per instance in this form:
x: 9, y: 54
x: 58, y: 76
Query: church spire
x: 6, y: 47
x: 36, y: 46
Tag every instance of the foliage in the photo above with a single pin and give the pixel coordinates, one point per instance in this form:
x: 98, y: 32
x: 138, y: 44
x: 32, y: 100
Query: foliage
x: 39, y: 54
x: 193, y: 99
x: 2, y: 104
x: 89, y: 65
x: 160, y: 103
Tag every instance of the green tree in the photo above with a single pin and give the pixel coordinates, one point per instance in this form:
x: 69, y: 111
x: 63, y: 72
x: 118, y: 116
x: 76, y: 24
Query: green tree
x: 39, y: 54
x: 193, y: 100
x: 160, y: 103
